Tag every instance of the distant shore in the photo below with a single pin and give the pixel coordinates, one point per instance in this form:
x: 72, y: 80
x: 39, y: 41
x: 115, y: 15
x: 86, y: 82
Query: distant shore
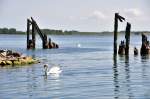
x: 66, y: 32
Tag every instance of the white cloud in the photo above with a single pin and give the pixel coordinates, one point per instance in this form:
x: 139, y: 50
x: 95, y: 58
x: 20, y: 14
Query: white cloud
x: 95, y: 15
x: 98, y: 14
x: 132, y: 12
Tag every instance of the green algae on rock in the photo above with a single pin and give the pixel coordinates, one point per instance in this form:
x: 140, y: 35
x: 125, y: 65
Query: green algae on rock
x: 8, y: 57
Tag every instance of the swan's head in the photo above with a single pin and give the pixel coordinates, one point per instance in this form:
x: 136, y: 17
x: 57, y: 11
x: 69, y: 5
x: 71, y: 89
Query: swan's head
x: 45, y: 66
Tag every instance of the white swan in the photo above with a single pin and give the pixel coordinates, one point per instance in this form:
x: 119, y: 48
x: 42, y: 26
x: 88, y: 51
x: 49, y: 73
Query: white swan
x: 79, y: 45
x: 52, y: 70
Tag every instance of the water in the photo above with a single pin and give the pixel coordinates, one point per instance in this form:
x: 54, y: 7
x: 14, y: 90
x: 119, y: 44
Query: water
x: 89, y: 71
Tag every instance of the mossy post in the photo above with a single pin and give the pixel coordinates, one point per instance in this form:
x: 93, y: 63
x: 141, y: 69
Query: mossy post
x: 127, y: 37
x: 120, y: 18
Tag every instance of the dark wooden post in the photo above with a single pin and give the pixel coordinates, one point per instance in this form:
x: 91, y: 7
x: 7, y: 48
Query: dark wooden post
x: 115, y: 33
x: 120, y: 18
x: 35, y: 27
x: 49, y: 43
x: 145, y: 45
x: 33, y: 34
x: 127, y: 37
x: 45, y: 44
x: 28, y: 35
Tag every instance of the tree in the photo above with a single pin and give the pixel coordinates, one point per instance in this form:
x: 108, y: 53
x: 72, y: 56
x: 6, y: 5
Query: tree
x: 12, y: 31
x: 5, y: 30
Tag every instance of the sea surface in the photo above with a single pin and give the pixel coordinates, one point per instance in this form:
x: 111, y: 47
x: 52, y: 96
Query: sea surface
x: 89, y: 70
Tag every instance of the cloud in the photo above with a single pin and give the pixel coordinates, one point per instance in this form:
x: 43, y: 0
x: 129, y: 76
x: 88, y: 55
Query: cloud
x: 133, y: 12
x: 98, y: 15
x: 95, y: 15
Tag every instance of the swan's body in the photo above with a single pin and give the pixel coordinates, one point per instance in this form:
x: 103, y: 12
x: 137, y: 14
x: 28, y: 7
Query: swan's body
x: 55, y: 70
x: 52, y: 70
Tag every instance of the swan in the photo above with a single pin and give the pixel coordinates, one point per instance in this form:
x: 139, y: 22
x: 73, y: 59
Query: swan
x: 52, y: 70
x: 78, y: 45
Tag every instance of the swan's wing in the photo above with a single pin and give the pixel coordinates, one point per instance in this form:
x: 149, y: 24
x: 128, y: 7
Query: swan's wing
x: 55, y: 70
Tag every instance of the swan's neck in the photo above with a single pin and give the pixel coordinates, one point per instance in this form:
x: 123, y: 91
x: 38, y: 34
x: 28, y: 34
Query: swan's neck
x: 46, y: 70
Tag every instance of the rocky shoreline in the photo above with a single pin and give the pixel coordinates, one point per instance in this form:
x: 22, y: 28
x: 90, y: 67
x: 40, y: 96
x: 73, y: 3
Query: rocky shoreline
x: 9, y: 57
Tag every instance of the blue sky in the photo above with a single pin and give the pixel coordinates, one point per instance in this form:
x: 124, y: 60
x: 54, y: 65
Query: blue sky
x: 82, y: 15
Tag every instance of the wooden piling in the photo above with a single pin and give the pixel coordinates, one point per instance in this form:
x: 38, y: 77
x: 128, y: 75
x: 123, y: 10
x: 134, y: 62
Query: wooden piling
x: 115, y: 33
x: 127, y: 37
x: 120, y: 18
x: 33, y: 34
x: 28, y: 35
x: 35, y: 28
x: 45, y: 44
x: 49, y: 43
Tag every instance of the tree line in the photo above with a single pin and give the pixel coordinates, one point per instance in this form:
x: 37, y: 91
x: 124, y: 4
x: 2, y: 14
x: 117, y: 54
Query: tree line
x: 46, y: 31
x: 10, y: 31
x: 66, y: 32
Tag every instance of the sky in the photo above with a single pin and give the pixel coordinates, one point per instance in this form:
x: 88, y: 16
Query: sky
x: 81, y: 15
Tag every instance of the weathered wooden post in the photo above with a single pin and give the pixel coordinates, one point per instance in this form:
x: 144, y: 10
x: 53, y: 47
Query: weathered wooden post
x: 33, y: 34
x: 45, y: 44
x: 127, y: 37
x: 35, y: 28
x: 117, y: 16
x: 28, y: 33
x: 145, y: 48
x: 50, y: 43
x: 115, y: 33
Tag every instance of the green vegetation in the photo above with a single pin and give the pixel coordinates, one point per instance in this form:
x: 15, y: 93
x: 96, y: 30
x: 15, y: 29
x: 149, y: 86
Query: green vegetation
x: 66, y: 32
x: 10, y: 31
x: 27, y: 60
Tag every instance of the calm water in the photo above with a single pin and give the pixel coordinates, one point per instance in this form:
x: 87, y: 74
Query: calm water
x: 89, y: 71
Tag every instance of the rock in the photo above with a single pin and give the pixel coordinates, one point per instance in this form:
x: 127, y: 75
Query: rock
x: 2, y: 63
x: 15, y: 58
x: 8, y: 62
x: 17, y: 63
